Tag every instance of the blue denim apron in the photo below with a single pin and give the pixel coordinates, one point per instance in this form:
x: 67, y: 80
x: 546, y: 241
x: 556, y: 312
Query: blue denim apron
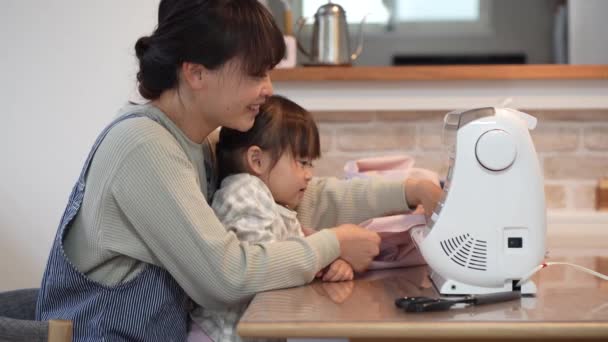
x: 150, y: 307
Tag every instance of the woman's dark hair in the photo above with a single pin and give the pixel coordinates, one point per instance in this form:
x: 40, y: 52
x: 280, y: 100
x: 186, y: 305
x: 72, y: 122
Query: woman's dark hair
x: 208, y: 32
x: 281, y: 126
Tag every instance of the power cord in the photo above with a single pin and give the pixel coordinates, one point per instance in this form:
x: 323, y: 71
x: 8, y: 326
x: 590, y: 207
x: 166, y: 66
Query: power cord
x: 550, y: 263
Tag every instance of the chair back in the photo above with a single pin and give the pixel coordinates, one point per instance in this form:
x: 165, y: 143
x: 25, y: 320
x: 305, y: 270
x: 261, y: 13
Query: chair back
x: 18, y: 319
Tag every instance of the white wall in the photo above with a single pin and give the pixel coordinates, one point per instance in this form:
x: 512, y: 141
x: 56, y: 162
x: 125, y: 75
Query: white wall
x: 587, y: 31
x: 66, y: 66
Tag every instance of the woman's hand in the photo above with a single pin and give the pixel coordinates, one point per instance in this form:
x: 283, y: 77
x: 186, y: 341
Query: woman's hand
x: 422, y: 192
x: 358, y: 246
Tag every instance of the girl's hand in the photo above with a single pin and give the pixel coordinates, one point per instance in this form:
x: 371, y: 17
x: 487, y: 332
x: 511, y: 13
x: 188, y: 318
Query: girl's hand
x: 338, y: 270
x: 338, y: 292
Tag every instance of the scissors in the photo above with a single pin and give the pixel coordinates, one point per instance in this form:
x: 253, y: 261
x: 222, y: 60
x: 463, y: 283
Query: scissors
x: 425, y: 304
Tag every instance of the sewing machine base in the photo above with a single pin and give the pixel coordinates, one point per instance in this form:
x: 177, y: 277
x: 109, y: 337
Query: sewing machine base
x: 451, y: 287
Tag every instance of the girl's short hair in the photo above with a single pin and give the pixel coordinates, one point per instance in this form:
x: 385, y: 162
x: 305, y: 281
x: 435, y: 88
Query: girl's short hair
x: 207, y: 32
x: 281, y: 126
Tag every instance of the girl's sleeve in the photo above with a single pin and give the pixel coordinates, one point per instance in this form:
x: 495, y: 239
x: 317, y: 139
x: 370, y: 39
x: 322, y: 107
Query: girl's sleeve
x: 329, y: 202
x: 157, y: 190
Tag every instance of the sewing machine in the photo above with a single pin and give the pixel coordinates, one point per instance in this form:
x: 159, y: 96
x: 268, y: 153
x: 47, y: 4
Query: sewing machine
x: 489, y: 228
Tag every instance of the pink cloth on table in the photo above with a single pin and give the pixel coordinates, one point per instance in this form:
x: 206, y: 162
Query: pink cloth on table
x: 397, y: 249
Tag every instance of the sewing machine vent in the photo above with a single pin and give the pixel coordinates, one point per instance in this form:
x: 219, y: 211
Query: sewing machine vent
x: 466, y: 251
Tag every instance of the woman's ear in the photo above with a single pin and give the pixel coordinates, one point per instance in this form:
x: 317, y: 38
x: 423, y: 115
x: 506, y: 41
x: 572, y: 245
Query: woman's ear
x: 256, y: 160
x: 194, y: 75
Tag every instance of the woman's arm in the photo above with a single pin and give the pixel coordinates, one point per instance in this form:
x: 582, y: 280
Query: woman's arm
x: 173, y: 220
x: 329, y: 201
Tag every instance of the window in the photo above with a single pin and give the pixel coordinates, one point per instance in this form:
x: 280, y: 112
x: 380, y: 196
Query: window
x: 437, y: 10
x: 355, y: 10
x: 410, y: 17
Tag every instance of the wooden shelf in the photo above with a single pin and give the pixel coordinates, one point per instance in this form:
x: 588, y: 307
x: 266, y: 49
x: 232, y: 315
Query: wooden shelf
x: 439, y: 73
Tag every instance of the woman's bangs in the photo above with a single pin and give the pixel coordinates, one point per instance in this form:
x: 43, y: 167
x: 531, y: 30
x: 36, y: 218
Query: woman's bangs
x: 261, y: 45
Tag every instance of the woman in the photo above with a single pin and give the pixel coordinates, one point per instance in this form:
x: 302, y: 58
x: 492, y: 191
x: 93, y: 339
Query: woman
x: 138, y: 238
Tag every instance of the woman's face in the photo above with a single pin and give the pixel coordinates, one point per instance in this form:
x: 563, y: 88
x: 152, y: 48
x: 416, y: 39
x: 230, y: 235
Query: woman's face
x: 232, y: 98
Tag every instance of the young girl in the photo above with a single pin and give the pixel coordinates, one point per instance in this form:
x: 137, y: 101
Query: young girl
x: 264, y: 173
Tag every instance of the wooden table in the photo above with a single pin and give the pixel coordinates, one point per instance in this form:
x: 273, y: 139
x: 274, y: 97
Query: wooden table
x: 569, y: 305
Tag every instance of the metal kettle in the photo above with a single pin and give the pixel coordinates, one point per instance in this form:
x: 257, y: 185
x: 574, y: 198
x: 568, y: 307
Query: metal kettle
x: 330, y: 44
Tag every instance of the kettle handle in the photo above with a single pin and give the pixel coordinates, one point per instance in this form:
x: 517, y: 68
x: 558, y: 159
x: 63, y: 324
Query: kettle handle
x: 301, y: 21
x: 359, y: 49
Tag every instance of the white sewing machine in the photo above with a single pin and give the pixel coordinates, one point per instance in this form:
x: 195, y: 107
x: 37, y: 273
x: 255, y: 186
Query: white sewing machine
x: 489, y: 228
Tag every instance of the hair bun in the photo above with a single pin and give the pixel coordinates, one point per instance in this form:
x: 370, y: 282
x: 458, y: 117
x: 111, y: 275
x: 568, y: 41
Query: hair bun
x: 141, y: 46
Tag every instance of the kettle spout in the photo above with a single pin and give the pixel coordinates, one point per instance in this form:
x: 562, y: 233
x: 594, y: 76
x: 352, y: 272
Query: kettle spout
x: 359, y: 48
x: 301, y: 22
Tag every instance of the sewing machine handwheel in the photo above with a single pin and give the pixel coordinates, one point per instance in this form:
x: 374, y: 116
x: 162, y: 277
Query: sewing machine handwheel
x: 495, y: 150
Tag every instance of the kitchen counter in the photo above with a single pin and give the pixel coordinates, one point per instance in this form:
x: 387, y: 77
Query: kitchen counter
x: 438, y: 73
x: 554, y: 87
x: 569, y: 304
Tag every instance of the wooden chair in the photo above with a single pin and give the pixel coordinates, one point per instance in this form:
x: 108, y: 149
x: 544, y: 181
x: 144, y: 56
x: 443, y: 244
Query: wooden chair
x: 17, y: 320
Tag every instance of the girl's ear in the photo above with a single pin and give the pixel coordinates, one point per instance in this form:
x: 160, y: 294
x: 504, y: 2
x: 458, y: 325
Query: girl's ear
x: 256, y: 160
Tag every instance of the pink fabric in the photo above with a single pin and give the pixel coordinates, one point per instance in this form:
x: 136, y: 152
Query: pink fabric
x: 389, y: 166
x: 397, y: 167
x: 397, y: 249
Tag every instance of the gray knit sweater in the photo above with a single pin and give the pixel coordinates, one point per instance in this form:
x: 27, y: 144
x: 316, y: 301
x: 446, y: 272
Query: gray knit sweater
x: 146, y: 202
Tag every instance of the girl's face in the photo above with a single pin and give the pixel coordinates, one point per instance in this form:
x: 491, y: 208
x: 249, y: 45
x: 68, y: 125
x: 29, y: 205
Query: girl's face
x: 232, y: 98
x: 288, y: 179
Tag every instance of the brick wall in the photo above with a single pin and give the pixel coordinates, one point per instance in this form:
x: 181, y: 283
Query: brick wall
x: 572, y: 146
